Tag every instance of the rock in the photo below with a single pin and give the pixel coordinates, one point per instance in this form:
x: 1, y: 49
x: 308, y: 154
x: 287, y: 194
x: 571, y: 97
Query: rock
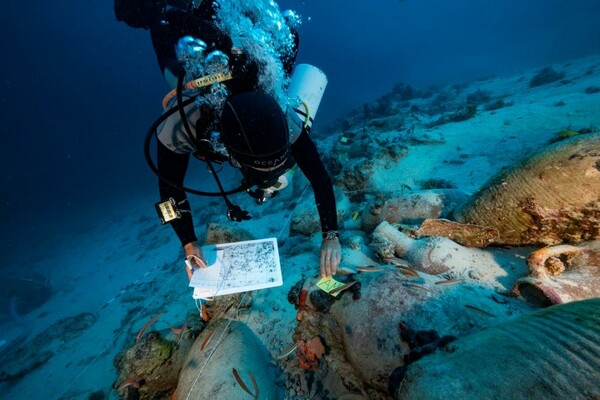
x: 356, y: 181
x: 208, y: 370
x: 309, y: 353
x: 549, y: 198
x: 305, y: 218
x: 385, y: 319
x: 544, y: 76
x: 23, y: 294
x: 149, y: 368
x: 411, y: 208
x: 216, y: 233
x: 25, y: 356
x: 552, y: 353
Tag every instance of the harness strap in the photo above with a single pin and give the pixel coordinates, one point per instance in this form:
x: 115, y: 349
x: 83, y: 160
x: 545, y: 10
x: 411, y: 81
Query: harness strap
x: 196, y: 84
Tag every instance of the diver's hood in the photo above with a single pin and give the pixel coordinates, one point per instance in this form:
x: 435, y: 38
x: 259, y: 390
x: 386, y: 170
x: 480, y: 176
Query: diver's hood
x: 255, y: 131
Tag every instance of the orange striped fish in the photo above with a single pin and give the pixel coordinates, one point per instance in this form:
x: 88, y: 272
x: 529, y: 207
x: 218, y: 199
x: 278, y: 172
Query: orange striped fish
x: 342, y: 288
x: 226, y: 310
x: 243, y: 385
x: 369, y: 268
x: 421, y: 287
x: 447, y: 282
x: 129, y: 382
x: 288, y: 351
x: 147, y: 325
x: 176, y: 331
x: 205, y: 342
x: 408, y: 271
x: 396, y: 260
x: 184, y: 329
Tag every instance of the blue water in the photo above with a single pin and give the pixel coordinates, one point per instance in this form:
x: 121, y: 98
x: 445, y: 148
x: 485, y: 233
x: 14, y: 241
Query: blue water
x: 79, y: 89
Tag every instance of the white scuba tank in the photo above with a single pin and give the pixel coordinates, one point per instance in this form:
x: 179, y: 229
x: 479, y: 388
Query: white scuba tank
x: 306, y: 90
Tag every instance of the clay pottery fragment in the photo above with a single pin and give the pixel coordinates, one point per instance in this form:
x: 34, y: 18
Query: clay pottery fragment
x: 549, y: 198
x: 553, y: 353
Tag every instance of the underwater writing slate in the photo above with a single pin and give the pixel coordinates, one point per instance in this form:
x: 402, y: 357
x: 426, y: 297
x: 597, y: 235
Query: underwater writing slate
x: 237, y: 267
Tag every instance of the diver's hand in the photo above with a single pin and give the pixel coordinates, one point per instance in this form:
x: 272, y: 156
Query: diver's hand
x: 194, y: 255
x: 331, y: 255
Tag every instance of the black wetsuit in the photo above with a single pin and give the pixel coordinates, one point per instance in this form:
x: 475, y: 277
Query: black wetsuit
x: 173, y: 165
x: 177, y: 24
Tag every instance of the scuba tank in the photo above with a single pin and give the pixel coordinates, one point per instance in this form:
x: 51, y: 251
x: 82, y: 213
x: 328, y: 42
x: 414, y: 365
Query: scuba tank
x: 306, y: 90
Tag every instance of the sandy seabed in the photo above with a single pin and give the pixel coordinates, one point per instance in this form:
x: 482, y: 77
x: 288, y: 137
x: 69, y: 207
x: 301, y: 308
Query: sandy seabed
x: 117, y: 267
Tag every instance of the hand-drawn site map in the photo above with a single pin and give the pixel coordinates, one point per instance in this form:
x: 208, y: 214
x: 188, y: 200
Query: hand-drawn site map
x: 237, y: 267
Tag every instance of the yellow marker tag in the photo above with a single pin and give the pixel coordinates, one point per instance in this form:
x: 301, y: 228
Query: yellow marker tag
x: 355, y: 216
x: 210, y: 79
x: 329, y: 284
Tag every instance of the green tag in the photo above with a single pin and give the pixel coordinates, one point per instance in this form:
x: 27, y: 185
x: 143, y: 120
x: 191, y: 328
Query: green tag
x: 344, y: 139
x: 329, y: 284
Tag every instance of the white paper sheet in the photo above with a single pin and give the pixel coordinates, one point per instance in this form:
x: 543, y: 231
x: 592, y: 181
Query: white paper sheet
x: 237, y: 267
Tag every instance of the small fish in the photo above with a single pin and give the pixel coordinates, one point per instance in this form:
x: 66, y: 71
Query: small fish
x: 479, y: 310
x: 447, y: 282
x: 226, y: 310
x: 288, y: 351
x: 129, y: 382
x: 179, y: 331
x: 145, y: 327
x: 205, y: 342
x: 369, y: 268
x: 429, y: 253
x: 343, y: 272
x: 254, y: 385
x: 183, y: 330
x: 243, y: 385
x: 342, y: 288
x: 396, y: 260
x: 408, y: 271
x: 498, y: 299
x: 176, y: 331
x: 412, y: 285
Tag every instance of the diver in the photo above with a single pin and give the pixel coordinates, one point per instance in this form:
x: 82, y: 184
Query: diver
x: 250, y: 122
